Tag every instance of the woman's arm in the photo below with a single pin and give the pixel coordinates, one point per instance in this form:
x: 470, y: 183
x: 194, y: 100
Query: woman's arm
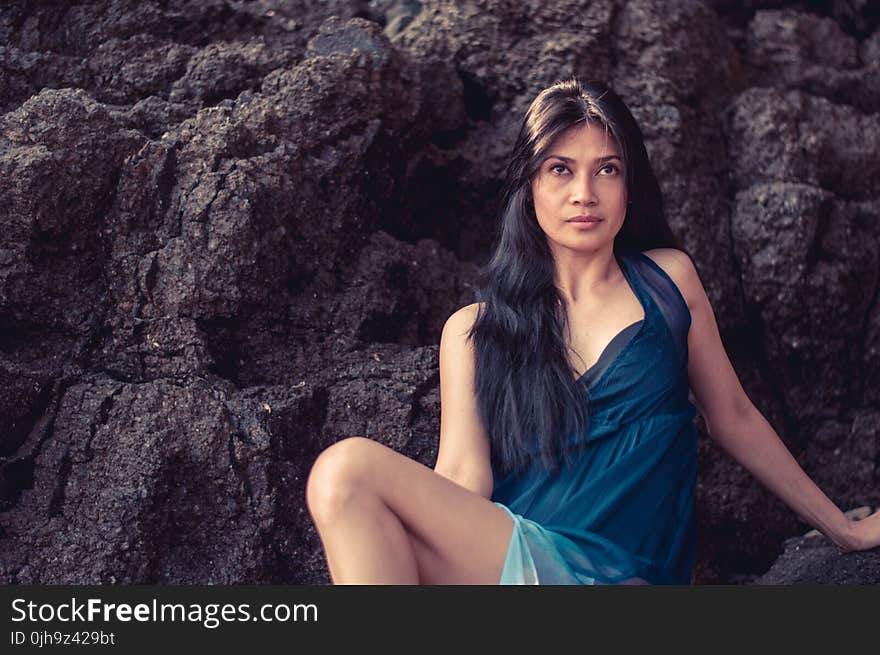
x: 736, y: 425
x: 752, y: 442
x: 464, y: 453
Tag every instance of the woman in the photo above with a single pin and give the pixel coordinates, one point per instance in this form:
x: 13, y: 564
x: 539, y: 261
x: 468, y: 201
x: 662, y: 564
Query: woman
x: 567, y: 446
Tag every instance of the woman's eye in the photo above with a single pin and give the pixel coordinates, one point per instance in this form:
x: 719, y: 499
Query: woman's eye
x: 556, y: 166
x: 611, y: 166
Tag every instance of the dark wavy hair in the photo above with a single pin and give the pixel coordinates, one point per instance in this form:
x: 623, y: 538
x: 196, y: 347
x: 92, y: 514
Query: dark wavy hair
x: 524, y: 385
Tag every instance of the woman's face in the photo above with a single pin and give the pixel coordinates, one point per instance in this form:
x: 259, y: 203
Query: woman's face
x: 581, y: 175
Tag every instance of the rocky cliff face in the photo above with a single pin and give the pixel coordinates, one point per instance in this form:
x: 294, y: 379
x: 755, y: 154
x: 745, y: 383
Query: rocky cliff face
x: 232, y: 231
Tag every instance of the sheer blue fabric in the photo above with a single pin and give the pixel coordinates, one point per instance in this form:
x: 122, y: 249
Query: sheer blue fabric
x: 623, y: 512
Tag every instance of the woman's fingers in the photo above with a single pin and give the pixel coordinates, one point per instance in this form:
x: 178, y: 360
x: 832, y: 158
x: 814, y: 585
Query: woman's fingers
x: 865, y: 536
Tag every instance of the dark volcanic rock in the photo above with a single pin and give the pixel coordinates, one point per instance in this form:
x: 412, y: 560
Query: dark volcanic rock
x: 254, y: 214
x: 391, y: 298
x: 193, y: 483
x: 805, y: 236
x: 78, y: 28
x: 124, y: 71
x: 60, y: 155
x: 24, y: 73
x: 790, y: 49
x: 805, y: 242
x: 223, y: 70
x: 859, y: 17
x: 795, y: 137
x: 122, y: 51
x: 809, y: 269
x: 222, y: 245
x: 145, y: 483
x: 815, y: 560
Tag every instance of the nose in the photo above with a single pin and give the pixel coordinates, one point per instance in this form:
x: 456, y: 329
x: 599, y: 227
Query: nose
x: 582, y: 192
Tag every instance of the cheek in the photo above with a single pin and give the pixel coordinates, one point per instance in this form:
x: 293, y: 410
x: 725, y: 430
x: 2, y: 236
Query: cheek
x: 546, y: 192
x: 539, y: 200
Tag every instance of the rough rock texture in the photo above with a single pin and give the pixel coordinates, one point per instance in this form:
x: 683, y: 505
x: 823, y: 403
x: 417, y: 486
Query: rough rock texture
x: 812, y: 559
x: 790, y: 49
x: 232, y: 232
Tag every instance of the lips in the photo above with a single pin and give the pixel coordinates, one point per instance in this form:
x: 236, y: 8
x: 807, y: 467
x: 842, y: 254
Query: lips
x: 584, y: 219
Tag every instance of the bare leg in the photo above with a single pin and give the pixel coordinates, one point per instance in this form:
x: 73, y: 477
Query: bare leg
x: 365, y: 543
x: 384, y: 519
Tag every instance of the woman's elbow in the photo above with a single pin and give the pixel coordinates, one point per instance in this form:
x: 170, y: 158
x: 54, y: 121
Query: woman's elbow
x: 481, y: 483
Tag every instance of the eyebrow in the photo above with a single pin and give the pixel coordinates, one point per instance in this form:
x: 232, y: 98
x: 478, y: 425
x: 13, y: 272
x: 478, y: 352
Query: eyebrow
x: 598, y: 160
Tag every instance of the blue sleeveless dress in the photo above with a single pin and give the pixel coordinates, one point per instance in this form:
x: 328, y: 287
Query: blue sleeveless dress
x: 623, y: 512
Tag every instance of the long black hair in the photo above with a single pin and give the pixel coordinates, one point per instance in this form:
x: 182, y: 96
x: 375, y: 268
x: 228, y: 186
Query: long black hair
x: 524, y: 385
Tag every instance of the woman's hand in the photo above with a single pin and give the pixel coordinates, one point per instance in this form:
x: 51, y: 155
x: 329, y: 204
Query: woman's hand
x: 866, y: 532
x: 865, y: 529
x: 863, y: 533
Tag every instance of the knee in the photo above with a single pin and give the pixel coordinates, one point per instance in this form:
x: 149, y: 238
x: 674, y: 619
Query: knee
x: 336, y: 476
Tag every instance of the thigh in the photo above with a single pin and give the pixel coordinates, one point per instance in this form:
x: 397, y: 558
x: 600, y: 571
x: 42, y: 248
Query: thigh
x: 458, y: 536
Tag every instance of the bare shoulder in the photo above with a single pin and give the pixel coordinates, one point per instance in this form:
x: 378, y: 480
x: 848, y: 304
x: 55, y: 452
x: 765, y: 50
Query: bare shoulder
x: 455, y: 342
x: 462, y: 319
x: 679, y: 266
